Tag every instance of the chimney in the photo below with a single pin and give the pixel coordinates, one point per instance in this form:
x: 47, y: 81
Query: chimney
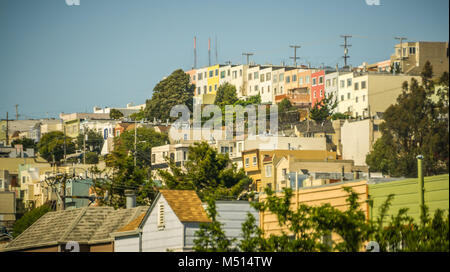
x: 131, y: 199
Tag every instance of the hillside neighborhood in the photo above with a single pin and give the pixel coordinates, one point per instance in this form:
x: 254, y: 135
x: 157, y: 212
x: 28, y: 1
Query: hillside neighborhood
x: 355, y: 143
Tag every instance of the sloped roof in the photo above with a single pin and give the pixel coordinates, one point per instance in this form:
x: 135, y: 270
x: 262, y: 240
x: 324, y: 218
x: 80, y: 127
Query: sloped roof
x: 85, y: 225
x: 134, y: 224
x: 186, y: 205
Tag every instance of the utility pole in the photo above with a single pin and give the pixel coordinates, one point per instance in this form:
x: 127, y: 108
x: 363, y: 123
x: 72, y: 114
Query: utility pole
x: 17, y: 112
x: 217, y: 55
x: 63, y: 197
x: 247, y: 55
x: 401, y: 51
x: 346, y: 46
x: 64, y: 128
x: 7, y: 129
x: 295, y: 53
x: 135, y: 141
x: 84, y: 146
x: 421, y: 189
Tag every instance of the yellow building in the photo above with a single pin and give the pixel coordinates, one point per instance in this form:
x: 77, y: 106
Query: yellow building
x: 213, y: 79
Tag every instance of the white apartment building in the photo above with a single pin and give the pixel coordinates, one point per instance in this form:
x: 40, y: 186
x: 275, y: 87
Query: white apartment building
x: 278, y: 81
x: 201, y: 85
x: 345, y: 93
x: 239, y: 79
x: 265, y: 85
x: 332, y: 84
x: 253, y: 81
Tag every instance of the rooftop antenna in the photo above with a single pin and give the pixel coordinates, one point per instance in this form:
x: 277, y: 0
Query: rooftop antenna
x: 209, y: 51
x: 195, y: 52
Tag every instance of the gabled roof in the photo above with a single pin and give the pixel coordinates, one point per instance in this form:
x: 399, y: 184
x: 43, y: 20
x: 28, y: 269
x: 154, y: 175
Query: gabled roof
x: 89, y: 225
x: 186, y: 205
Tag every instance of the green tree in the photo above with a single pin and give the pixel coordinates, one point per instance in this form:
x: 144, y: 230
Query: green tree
x: 324, y: 109
x: 138, y: 116
x: 226, y: 95
x: 340, y: 116
x: 287, y: 114
x: 207, y: 172
x: 415, y: 125
x: 51, y: 146
x: 174, y: 90
x: 26, y: 142
x: 115, y: 114
x: 92, y: 158
x: 29, y: 218
x: 94, y: 141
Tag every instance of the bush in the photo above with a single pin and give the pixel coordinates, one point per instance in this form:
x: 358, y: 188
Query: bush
x: 28, y: 219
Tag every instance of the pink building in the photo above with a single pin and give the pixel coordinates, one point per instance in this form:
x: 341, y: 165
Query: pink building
x: 317, y: 87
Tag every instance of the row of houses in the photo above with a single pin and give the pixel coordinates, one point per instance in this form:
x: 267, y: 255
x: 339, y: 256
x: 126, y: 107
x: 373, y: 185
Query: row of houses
x: 171, y: 222
x: 361, y: 92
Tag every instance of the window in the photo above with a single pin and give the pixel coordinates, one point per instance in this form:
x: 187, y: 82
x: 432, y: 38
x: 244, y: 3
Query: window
x: 254, y: 160
x: 363, y: 84
x: 23, y: 179
x: 275, y: 78
x: 211, y: 73
x: 288, y: 79
x: 193, y: 77
x: 217, y: 72
x: 239, y: 147
x: 1, y: 184
x: 206, y: 73
x: 356, y: 99
x: 334, y: 82
x: 199, y: 90
x: 364, y: 98
x: 328, y: 83
x: 349, y: 82
x: 321, y: 93
x: 234, y: 74
x: 256, y: 88
x: 210, y: 88
x: 321, y: 80
x: 268, y: 89
x: 228, y: 72
x: 342, y: 84
x: 356, y: 86
x: 199, y: 76
x: 268, y: 171
x: 262, y: 89
x: 342, y: 97
x: 262, y: 78
x: 284, y: 172
x: 153, y: 158
x: 255, y: 75
x: 300, y: 80
x: 348, y: 95
x: 215, y: 87
x: 247, y: 162
x: 184, y: 155
x: 294, y: 78
x: 268, y: 76
x: 307, y: 80
x: 249, y: 76
x: 222, y: 74
x: 314, y: 81
x: 281, y: 78
x: 240, y: 72
x: 204, y: 89
x: 161, y: 216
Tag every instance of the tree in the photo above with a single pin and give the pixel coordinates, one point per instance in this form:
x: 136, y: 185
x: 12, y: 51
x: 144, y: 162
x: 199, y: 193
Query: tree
x: 94, y: 141
x: 92, y: 158
x: 287, y: 114
x: 51, y: 146
x: 146, y: 139
x: 25, y: 142
x: 174, y: 90
x: 324, y: 109
x: 115, y: 114
x: 125, y: 175
x: 226, y: 95
x: 207, y: 172
x: 138, y: 116
x: 29, y: 218
x: 416, y: 124
x: 340, y: 116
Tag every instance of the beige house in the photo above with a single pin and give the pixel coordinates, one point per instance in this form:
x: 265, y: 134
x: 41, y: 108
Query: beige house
x: 411, y: 57
x: 358, y: 138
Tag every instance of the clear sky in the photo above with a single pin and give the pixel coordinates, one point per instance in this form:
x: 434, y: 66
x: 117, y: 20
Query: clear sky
x: 58, y: 58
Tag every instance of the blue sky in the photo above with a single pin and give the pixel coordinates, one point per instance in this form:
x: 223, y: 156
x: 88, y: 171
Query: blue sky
x: 57, y: 58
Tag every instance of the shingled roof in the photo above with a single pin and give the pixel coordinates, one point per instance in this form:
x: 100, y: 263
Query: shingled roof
x: 89, y: 225
x: 186, y: 205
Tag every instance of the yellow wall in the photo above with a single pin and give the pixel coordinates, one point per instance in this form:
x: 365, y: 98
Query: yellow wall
x: 332, y: 194
x: 214, y: 80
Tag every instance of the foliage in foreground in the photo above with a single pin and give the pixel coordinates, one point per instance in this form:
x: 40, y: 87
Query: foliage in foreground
x: 309, y: 229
